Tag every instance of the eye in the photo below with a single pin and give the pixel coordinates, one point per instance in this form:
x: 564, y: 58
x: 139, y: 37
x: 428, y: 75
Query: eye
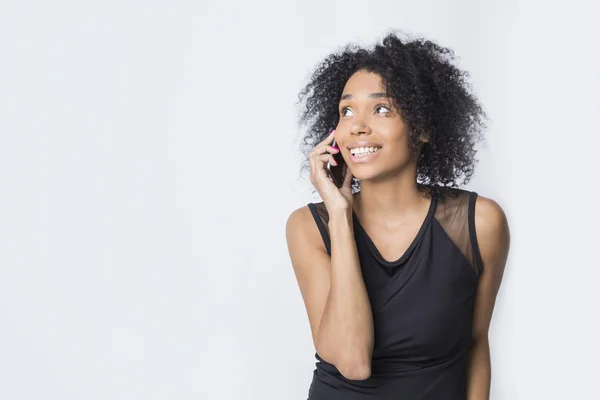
x: 386, y: 108
x: 343, y: 111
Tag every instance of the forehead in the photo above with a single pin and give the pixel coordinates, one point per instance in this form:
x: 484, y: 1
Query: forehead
x: 362, y: 82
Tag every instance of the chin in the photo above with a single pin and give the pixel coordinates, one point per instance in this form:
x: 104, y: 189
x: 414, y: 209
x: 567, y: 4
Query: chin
x: 363, y: 175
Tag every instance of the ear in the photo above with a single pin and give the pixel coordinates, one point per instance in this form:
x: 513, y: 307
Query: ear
x: 423, y: 139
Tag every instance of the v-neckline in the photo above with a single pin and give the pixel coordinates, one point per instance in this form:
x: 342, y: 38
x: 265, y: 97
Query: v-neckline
x: 375, y: 251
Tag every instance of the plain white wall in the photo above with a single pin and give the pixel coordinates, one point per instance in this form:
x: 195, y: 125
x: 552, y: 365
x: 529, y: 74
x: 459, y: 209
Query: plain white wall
x: 149, y: 160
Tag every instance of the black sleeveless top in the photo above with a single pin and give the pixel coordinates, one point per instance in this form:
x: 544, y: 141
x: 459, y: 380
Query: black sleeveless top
x: 422, y: 308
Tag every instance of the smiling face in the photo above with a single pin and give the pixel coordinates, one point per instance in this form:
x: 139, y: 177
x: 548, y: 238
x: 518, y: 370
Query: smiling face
x: 369, y: 121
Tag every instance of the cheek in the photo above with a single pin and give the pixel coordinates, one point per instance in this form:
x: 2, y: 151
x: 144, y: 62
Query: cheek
x: 343, y: 129
x: 399, y: 149
x: 395, y: 135
x: 343, y: 124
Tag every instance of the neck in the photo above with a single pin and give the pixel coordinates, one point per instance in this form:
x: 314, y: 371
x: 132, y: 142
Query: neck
x: 396, y: 198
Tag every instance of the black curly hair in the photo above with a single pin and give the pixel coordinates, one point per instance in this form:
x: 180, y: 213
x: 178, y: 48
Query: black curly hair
x: 433, y: 96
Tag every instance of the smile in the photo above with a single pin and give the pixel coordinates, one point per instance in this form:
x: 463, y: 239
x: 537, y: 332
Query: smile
x: 364, y: 155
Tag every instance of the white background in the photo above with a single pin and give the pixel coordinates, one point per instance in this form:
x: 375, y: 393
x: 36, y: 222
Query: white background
x: 149, y: 159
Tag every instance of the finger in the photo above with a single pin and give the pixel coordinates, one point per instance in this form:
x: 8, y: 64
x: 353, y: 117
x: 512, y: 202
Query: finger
x: 317, y: 152
x: 331, y: 149
x: 315, y: 159
x: 321, y: 154
x: 326, y: 150
x: 328, y: 158
x: 329, y: 138
x: 317, y: 163
x: 320, y: 149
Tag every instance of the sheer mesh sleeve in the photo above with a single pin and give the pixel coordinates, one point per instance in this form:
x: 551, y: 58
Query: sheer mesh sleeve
x: 321, y: 216
x: 456, y: 215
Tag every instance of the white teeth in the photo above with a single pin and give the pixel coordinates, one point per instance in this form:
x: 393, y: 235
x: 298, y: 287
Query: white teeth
x: 363, y: 150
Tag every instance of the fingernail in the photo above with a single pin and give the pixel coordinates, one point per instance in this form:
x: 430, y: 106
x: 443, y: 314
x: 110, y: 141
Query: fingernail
x: 331, y: 133
x: 335, y: 147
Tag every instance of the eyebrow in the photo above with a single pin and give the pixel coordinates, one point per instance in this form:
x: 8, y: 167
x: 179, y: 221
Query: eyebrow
x: 379, y: 95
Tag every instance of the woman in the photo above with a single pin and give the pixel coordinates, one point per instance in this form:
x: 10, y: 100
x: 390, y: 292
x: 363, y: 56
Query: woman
x: 399, y: 277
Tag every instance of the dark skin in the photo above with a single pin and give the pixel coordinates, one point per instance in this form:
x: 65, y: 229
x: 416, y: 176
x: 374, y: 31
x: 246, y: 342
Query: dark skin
x: 389, y: 198
x: 391, y: 207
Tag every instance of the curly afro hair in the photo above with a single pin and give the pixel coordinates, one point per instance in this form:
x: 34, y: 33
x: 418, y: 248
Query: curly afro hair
x: 433, y: 96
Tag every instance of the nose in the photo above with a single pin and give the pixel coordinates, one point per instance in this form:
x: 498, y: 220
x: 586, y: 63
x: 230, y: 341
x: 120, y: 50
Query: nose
x: 359, y: 127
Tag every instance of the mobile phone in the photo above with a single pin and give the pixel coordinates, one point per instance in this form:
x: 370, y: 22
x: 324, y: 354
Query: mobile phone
x: 335, y: 171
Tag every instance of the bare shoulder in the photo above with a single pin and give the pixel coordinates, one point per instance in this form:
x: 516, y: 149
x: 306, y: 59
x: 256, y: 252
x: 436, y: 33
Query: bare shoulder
x: 298, y: 217
x: 298, y: 223
x: 493, y: 233
x: 490, y: 218
x: 301, y: 229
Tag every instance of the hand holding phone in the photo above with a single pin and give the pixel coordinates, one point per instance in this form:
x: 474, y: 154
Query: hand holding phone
x: 333, y: 180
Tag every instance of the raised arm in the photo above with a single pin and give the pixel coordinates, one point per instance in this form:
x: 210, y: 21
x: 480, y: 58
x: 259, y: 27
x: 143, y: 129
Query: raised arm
x: 333, y: 291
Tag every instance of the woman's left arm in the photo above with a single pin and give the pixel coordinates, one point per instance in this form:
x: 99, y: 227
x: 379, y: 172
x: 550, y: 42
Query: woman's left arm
x: 493, y: 238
